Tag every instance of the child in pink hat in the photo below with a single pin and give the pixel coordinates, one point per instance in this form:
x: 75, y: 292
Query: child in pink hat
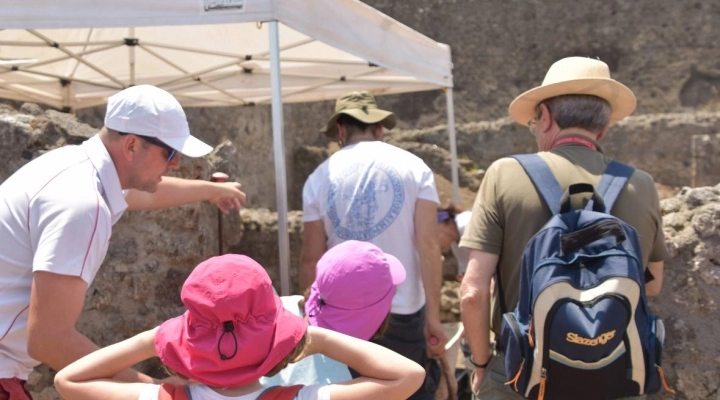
x: 354, y: 286
x: 234, y: 331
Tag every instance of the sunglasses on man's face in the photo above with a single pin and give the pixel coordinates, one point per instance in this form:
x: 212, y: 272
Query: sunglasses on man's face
x: 171, y: 152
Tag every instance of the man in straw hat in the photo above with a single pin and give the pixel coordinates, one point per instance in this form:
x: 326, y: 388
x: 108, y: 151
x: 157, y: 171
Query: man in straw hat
x: 56, y: 219
x: 372, y: 191
x: 567, y: 115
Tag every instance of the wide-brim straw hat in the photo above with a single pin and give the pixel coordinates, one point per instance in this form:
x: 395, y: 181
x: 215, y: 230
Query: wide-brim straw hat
x: 361, y: 106
x: 576, y: 75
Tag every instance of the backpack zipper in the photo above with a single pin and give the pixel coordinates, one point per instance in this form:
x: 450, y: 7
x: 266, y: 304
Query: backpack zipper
x: 604, y: 254
x: 561, y: 263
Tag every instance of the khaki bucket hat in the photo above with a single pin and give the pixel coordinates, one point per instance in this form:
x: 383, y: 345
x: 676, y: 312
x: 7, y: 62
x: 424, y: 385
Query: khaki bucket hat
x: 576, y: 75
x: 361, y: 106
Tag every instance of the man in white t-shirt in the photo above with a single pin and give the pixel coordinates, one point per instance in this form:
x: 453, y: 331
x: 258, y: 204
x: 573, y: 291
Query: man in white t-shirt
x: 372, y: 191
x: 56, y: 218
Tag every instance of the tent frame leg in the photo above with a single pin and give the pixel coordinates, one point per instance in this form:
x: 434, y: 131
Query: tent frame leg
x: 279, y: 155
x: 453, y: 145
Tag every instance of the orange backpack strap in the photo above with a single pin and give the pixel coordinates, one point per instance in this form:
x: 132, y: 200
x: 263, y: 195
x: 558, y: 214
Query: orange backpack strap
x: 280, y: 392
x: 169, y: 391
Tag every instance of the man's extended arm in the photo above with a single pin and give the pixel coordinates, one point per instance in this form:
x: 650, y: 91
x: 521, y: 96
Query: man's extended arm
x: 475, y: 307
x: 173, y: 192
x: 314, y: 246
x: 430, y: 260
x: 55, y: 305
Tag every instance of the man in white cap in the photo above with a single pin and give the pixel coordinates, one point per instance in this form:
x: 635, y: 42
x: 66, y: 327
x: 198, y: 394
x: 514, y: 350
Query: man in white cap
x: 375, y: 192
x: 56, y: 218
x: 568, y: 115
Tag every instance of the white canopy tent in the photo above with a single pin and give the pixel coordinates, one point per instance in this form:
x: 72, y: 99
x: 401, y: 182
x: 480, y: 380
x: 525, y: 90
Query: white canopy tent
x: 73, y: 54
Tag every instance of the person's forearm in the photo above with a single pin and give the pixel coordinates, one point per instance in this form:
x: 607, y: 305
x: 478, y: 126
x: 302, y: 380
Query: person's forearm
x: 58, y: 350
x: 307, y: 272
x: 172, y: 192
x: 398, y: 375
x: 475, y: 312
x: 654, y: 287
x: 93, y: 375
x: 431, y: 274
x: 111, y: 361
x: 429, y: 256
x: 314, y: 246
x: 366, y: 358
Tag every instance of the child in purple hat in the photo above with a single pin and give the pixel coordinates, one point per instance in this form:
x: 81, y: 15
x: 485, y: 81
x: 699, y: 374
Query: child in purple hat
x: 234, y: 331
x: 352, y: 294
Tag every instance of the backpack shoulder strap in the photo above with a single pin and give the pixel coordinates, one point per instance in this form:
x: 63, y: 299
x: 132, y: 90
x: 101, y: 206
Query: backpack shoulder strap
x: 543, y: 179
x: 612, y: 182
x: 280, y: 392
x: 169, y: 391
x: 547, y: 185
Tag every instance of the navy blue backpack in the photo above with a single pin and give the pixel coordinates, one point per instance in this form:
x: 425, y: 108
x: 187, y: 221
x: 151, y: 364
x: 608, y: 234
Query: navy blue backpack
x: 582, y: 328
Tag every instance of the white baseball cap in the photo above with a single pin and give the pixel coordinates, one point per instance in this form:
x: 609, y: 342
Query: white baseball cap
x: 150, y: 111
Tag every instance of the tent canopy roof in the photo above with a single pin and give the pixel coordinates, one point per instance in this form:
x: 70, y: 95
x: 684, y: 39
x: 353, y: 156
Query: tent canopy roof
x: 75, y: 53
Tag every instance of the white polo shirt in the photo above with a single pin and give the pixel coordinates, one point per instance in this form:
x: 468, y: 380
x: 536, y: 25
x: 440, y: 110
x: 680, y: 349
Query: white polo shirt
x: 367, y: 191
x: 56, y: 215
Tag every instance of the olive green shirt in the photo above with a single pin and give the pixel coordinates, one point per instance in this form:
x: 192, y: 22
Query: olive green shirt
x: 508, y: 211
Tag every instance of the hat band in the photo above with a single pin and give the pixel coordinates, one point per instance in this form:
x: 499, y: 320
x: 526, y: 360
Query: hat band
x: 363, y: 107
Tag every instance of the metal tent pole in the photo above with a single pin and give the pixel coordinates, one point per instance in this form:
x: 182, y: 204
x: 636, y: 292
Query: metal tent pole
x: 131, y: 57
x: 279, y: 153
x: 453, y: 145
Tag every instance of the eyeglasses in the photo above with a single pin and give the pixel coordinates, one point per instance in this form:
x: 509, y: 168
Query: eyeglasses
x: 532, y: 123
x: 171, y: 152
x: 531, y: 126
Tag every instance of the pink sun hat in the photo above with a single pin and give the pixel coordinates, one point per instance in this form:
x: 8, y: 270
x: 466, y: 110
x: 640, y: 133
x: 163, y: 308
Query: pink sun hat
x: 235, y: 329
x: 353, y: 290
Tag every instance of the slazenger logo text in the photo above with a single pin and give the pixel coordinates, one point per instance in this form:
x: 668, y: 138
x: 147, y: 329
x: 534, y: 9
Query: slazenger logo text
x: 602, y: 339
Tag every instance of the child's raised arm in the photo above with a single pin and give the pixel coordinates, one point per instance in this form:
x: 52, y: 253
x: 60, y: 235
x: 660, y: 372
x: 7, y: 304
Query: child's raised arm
x: 386, y: 374
x: 93, y: 376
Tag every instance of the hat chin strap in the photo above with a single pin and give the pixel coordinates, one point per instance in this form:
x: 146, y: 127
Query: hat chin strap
x: 228, y: 327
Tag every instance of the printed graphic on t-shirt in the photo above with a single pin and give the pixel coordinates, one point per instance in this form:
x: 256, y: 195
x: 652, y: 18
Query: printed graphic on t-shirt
x: 364, y: 200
